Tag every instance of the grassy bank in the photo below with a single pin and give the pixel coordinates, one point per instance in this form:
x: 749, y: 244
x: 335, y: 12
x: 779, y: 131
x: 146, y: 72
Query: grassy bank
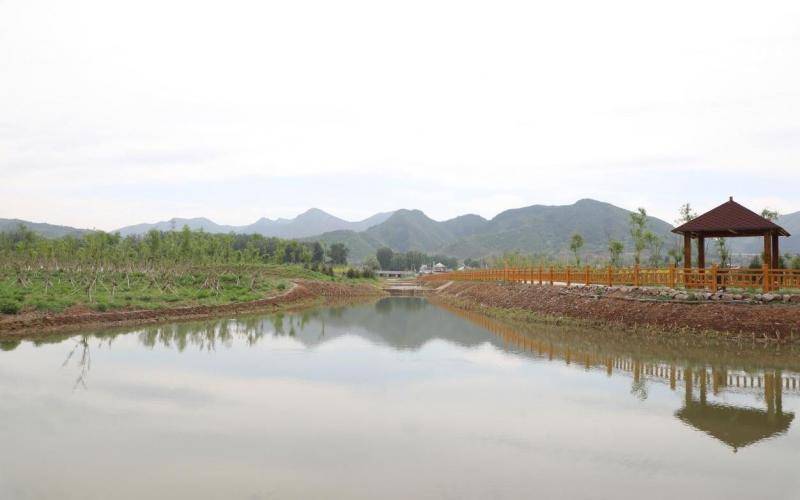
x: 96, y: 289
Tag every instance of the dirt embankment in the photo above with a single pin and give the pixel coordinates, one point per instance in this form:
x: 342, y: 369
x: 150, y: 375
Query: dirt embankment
x: 303, y: 292
x: 764, y: 321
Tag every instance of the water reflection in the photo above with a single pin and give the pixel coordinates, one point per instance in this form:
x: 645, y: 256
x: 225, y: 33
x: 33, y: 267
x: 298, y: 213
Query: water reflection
x: 83, y: 360
x: 399, y: 399
x: 736, y: 426
x: 404, y: 324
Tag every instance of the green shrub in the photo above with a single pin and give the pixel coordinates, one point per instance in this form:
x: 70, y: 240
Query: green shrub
x: 281, y: 286
x: 9, y: 307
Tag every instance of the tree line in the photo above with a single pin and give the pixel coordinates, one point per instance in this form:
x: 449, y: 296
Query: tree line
x: 157, y: 248
x: 389, y: 260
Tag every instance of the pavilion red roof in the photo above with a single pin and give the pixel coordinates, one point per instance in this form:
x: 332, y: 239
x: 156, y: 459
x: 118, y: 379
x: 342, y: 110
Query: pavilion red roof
x: 730, y: 219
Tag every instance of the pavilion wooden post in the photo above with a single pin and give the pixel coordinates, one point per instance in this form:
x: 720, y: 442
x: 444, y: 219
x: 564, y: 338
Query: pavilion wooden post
x: 701, y: 252
x: 766, y: 280
x: 768, y: 250
x: 687, y: 251
x: 776, y: 252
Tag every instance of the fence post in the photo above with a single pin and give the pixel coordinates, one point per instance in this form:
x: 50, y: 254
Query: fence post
x: 636, y: 275
x: 551, y: 276
x: 672, y: 275
x: 714, y: 278
x: 540, y: 274
x: 569, y: 275
x: 767, y: 280
x: 588, y: 275
x: 610, y: 277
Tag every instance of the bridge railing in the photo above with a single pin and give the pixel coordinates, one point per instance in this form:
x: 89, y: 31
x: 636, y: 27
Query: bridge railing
x: 712, y: 278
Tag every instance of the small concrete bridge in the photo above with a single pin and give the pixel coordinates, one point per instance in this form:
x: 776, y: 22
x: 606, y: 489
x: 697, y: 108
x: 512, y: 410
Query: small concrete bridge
x: 408, y: 287
x: 395, y: 274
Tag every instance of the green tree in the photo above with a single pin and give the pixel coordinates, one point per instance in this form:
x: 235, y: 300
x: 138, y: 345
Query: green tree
x: 575, y: 245
x: 685, y: 214
x: 371, y: 263
x: 724, y: 253
x: 186, y: 242
x: 384, y: 255
x: 317, y: 253
x: 415, y: 260
x: 338, y: 254
x: 770, y: 215
x: 676, y: 255
x: 399, y: 262
x: 472, y: 263
x: 638, y: 223
x: 615, y: 249
x: 655, y: 244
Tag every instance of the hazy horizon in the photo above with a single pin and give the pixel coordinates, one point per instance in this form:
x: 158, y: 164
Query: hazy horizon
x: 119, y: 113
x: 671, y: 221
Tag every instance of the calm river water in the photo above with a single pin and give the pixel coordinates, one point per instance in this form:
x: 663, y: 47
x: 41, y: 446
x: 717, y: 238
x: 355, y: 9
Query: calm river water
x: 394, y: 399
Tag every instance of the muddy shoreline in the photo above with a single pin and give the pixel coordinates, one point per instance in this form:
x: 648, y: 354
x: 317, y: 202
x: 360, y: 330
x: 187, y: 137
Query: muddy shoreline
x: 303, y: 293
x: 760, y: 322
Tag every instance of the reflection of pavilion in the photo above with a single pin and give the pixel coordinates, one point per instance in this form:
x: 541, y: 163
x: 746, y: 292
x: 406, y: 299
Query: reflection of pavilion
x: 736, y: 426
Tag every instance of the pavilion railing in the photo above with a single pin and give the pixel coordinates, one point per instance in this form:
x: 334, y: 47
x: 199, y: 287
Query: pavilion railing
x: 712, y: 278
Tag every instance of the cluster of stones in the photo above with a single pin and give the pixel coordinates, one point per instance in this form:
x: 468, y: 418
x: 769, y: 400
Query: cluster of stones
x: 688, y: 295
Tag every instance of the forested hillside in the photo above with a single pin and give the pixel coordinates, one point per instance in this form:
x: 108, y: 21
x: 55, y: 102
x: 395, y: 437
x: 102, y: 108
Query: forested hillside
x: 40, y: 228
x: 537, y: 229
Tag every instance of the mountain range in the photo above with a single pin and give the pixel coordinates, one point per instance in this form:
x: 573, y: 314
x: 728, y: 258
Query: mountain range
x: 535, y: 229
x: 310, y: 223
x: 544, y: 229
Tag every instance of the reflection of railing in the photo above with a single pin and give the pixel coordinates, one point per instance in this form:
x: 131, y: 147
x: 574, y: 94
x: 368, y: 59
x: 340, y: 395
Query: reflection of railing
x: 712, y: 278
x: 716, y: 377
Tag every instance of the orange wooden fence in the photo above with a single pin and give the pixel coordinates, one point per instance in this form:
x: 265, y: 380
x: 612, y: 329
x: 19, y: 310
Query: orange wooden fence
x: 712, y: 278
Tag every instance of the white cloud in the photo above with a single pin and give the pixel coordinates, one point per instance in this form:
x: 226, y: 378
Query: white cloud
x: 473, y: 106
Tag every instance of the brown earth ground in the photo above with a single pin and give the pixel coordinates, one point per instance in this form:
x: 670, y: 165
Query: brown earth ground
x: 302, y: 293
x: 773, y: 322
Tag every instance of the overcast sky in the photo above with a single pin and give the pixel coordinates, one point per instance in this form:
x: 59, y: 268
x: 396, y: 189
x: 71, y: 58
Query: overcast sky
x: 118, y: 112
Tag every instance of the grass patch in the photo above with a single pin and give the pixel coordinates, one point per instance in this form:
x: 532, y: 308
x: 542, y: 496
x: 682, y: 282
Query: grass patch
x: 54, y: 291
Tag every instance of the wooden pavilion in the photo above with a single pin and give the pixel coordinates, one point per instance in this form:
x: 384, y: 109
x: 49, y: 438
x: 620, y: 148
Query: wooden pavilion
x: 730, y: 220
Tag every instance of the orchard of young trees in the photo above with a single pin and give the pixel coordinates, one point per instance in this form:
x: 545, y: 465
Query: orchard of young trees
x: 106, y: 271
x: 26, y: 248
